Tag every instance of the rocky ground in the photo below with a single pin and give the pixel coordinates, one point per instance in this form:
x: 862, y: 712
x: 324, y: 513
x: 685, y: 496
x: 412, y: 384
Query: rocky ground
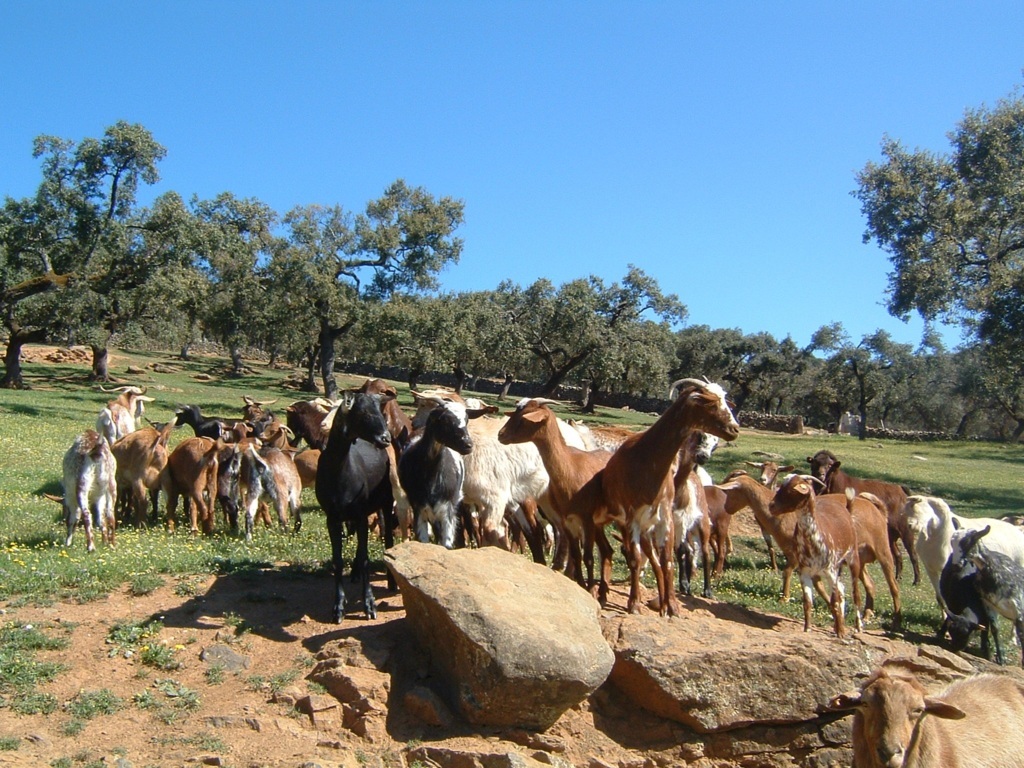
x: 247, y: 643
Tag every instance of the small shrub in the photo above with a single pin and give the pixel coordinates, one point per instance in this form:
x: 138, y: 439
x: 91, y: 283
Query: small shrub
x: 9, y: 743
x: 144, y: 583
x: 161, y: 657
x: 89, y: 704
x: 214, y: 674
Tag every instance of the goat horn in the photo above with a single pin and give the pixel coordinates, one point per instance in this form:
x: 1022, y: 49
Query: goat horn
x: 677, y: 384
x: 248, y: 400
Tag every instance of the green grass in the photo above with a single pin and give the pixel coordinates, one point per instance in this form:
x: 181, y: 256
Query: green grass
x: 37, y: 425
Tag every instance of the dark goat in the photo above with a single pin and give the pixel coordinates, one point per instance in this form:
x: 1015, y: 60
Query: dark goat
x: 965, y: 610
x: 826, y: 467
x: 305, y: 419
x: 352, y: 483
x: 431, y: 471
x: 208, y: 426
x: 1000, y: 584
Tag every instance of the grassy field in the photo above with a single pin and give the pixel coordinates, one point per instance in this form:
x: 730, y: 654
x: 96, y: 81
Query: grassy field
x: 37, y: 425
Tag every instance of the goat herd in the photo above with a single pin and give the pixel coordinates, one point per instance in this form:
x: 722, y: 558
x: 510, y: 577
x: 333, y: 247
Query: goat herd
x: 450, y: 474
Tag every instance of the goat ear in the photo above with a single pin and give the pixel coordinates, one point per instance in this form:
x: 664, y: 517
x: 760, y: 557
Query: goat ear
x: 940, y: 708
x: 476, y: 413
x: 844, y: 702
x: 787, y: 468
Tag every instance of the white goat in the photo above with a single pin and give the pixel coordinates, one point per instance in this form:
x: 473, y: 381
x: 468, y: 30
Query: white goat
x: 122, y: 416
x: 935, y: 530
x: 90, y: 488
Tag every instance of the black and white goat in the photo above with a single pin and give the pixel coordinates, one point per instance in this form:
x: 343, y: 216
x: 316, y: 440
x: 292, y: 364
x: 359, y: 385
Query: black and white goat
x: 90, y: 487
x: 431, y: 470
x: 1000, y: 584
x: 964, y: 609
x: 352, y: 482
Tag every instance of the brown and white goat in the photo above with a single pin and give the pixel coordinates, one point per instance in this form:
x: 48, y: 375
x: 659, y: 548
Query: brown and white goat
x: 272, y: 473
x: 976, y: 721
x: 828, y: 469
x: 824, y: 539
x: 572, y: 490
x: 90, y: 488
x: 191, y: 471
x: 141, y: 457
x: 122, y: 415
x: 638, y: 487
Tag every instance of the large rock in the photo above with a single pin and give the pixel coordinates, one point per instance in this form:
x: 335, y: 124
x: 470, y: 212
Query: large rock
x: 511, y: 642
x: 749, y: 669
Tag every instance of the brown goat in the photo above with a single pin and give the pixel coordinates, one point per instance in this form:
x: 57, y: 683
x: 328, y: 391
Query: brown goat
x: 721, y: 543
x: 823, y: 539
x: 306, y: 462
x: 141, y: 457
x: 827, y: 468
x: 638, y: 488
x: 976, y: 721
x: 572, y: 489
x: 191, y: 471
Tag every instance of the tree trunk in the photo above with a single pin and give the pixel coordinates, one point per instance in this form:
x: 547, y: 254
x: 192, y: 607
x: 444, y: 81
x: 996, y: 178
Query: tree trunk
x: 509, y: 379
x: 585, y: 397
x: 314, y: 353
x: 185, y: 348
x: 1015, y: 437
x: 460, y: 378
x: 590, y: 402
x: 100, y: 363
x: 13, y: 377
x: 328, y: 335
x: 237, y: 367
x: 327, y: 364
x: 414, y: 377
x: 961, y: 428
x: 862, y: 428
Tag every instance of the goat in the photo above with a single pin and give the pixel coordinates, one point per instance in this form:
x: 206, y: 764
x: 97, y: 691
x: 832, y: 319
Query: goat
x: 871, y: 529
x: 934, y: 526
x: 572, y: 488
x: 503, y: 480
x: 211, y: 427
x: 305, y: 419
x: 1000, y: 584
x: 431, y: 470
x: 965, y: 611
x: 269, y: 471
x: 638, y: 489
x: 692, y: 521
x: 121, y: 416
x: 823, y: 539
x: 306, y: 462
x: 352, y: 482
x: 721, y: 542
x: 254, y: 412
x: 141, y: 456
x: 976, y: 721
x: 192, y: 471
x: 827, y: 468
x: 401, y: 429
x: 90, y: 488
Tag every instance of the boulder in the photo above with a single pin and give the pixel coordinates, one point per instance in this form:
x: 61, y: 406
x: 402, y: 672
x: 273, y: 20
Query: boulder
x: 511, y: 643
x: 742, y: 673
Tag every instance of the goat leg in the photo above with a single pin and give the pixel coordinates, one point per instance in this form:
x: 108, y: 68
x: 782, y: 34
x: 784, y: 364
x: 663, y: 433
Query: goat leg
x: 337, y: 535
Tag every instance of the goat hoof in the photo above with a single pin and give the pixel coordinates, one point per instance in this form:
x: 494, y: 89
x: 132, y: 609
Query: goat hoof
x: 707, y: 593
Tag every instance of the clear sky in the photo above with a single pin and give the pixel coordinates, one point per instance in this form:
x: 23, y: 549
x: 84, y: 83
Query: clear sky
x: 712, y: 144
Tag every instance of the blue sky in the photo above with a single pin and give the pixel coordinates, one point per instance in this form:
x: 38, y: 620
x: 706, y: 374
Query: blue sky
x: 712, y: 144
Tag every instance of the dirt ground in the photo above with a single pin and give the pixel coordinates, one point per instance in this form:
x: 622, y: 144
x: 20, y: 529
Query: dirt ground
x: 277, y: 621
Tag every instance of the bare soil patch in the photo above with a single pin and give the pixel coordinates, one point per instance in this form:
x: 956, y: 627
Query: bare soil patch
x: 278, y: 621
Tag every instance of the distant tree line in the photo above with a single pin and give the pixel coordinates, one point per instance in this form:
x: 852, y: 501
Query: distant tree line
x: 82, y: 261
